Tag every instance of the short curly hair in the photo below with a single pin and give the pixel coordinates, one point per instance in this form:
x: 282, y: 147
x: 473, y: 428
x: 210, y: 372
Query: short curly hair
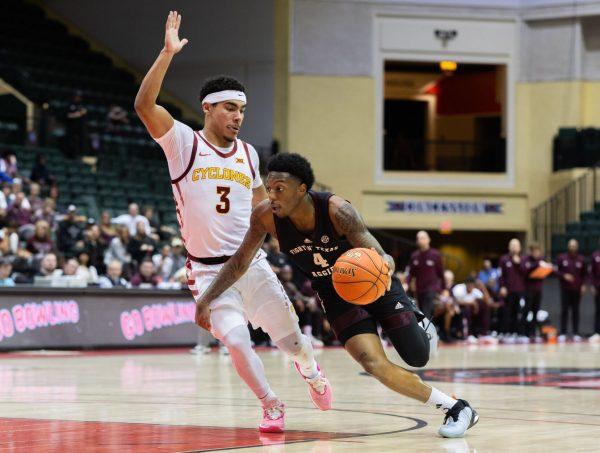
x: 295, y: 165
x: 220, y: 83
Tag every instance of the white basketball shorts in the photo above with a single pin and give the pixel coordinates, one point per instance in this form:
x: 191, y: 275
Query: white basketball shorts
x: 257, y: 297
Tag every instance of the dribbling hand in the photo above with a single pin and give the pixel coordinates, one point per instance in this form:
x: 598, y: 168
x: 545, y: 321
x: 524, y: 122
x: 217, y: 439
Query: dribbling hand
x: 391, y: 267
x: 203, y: 315
x: 172, y: 42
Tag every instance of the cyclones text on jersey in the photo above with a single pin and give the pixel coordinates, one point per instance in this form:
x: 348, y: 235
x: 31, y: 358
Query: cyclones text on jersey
x: 222, y: 173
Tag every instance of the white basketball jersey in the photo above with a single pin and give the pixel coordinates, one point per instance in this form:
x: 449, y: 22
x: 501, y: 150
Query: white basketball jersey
x: 213, y: 194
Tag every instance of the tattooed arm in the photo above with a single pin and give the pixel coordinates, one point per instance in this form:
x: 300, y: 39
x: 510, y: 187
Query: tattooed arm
x: 237, y: 265
x: 348, y: 222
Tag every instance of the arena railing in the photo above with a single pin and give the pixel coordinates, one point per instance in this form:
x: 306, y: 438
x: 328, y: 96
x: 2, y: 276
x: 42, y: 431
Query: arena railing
x: 564, y: 207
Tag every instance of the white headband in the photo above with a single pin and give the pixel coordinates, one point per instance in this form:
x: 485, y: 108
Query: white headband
x: 227, y: 95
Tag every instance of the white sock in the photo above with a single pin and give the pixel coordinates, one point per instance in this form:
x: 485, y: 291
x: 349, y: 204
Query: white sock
x: 307, y: 330
x: 269, y: 398
x: 299, y: 348
x: 440, y: 400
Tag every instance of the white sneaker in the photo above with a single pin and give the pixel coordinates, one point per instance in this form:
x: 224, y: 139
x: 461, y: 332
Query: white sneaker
x: 472, y: 339
x: 538, y: 340
x: 200, y: 349
x: 562, y: 338
x: 594, y: 338
x: 523, y: 340
x: 577, y: 338
x: 509, y: 339
x: 458, y: 419
x: 488, y: 339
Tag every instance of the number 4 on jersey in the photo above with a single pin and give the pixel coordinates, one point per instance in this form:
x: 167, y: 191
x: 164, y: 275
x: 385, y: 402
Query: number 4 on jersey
x: 320, y: 261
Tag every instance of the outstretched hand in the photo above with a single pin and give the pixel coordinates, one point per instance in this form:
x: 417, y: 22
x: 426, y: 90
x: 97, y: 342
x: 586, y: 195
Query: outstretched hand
x: 172, y: 42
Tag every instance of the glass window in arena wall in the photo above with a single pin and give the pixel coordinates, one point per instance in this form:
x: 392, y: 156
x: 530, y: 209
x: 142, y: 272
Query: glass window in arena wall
x: 444, y: 117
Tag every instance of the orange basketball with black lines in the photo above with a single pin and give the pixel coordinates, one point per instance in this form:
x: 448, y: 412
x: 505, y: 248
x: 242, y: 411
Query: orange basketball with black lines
x: 360, y: 276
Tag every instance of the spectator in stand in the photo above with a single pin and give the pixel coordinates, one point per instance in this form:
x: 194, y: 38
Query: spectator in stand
x: 6, y: 191
x: 46, y: 213
x: 53, y: 194
x: 5, y: 273
x: 15, y: 188
x: 309, y: 313
x: 163, y: 262
x: 141, y: 245
x: 94, y: 246
x: 41, y: 242
x: 113, y: 277
x: 48, y: 265
x: 9, y: 242
x: 425, y: 273
x: 75, y: 130
x: 40, y: 173
x: 35, y: 201
x: 117, y: 250
x: 69, y: 237
x: 4, y: 176
x: 86, y: 271
x: 116, y: 119
x: 107, y: 229
x: 512, y: 290
x: 146, y: 277
x: 594, y: 272
x: 3, y: 208
x: 571, y: 269
x: 178, y: 254
x: 25, y: 267
x: 19, y: 216
x: 533, y: 261
x: 180, y: 277
x: 489, y: 275
x: 148, y: 213
x: 5, y: 242
x: 70, y: 268
x: 8, y: 167
x: 131, y: 219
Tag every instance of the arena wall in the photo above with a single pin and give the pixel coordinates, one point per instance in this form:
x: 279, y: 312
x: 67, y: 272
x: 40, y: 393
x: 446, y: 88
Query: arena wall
x: 335, y: 96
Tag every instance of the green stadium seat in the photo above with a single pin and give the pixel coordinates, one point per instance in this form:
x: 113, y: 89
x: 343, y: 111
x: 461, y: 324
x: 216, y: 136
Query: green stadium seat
x: 589, y: 215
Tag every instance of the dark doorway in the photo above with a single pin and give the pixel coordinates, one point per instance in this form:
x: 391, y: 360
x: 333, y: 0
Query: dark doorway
x: 405, y: 128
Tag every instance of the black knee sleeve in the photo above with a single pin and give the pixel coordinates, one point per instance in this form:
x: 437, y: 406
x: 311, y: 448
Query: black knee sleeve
x: 409, y: 339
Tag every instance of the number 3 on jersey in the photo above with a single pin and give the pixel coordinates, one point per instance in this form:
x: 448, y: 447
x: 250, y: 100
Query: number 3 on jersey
x: 319, y: 260
x: 223, y: 206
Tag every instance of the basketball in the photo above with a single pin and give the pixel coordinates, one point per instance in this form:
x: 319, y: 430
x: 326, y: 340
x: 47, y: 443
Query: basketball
x: 360, y: 276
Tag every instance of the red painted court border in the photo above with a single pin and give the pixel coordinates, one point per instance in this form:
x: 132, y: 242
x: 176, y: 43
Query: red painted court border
x: 22, y: 434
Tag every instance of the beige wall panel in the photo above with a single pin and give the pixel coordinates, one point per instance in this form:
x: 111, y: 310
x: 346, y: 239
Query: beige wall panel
x: 331, y: 123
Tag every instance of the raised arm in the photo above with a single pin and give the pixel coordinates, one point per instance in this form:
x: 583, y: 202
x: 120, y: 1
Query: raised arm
x: 349, y: 223
x: 156, y: 118
x: 237, y: 265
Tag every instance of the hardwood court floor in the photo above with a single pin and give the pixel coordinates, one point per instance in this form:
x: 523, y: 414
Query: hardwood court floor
x: 530, y: 398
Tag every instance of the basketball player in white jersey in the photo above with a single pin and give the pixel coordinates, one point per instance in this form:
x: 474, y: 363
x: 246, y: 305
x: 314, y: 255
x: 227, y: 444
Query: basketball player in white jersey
x: 215, y: 186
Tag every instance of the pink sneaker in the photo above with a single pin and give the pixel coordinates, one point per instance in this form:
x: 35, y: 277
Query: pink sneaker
x: 273, y: 418
x: 319, y: 389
